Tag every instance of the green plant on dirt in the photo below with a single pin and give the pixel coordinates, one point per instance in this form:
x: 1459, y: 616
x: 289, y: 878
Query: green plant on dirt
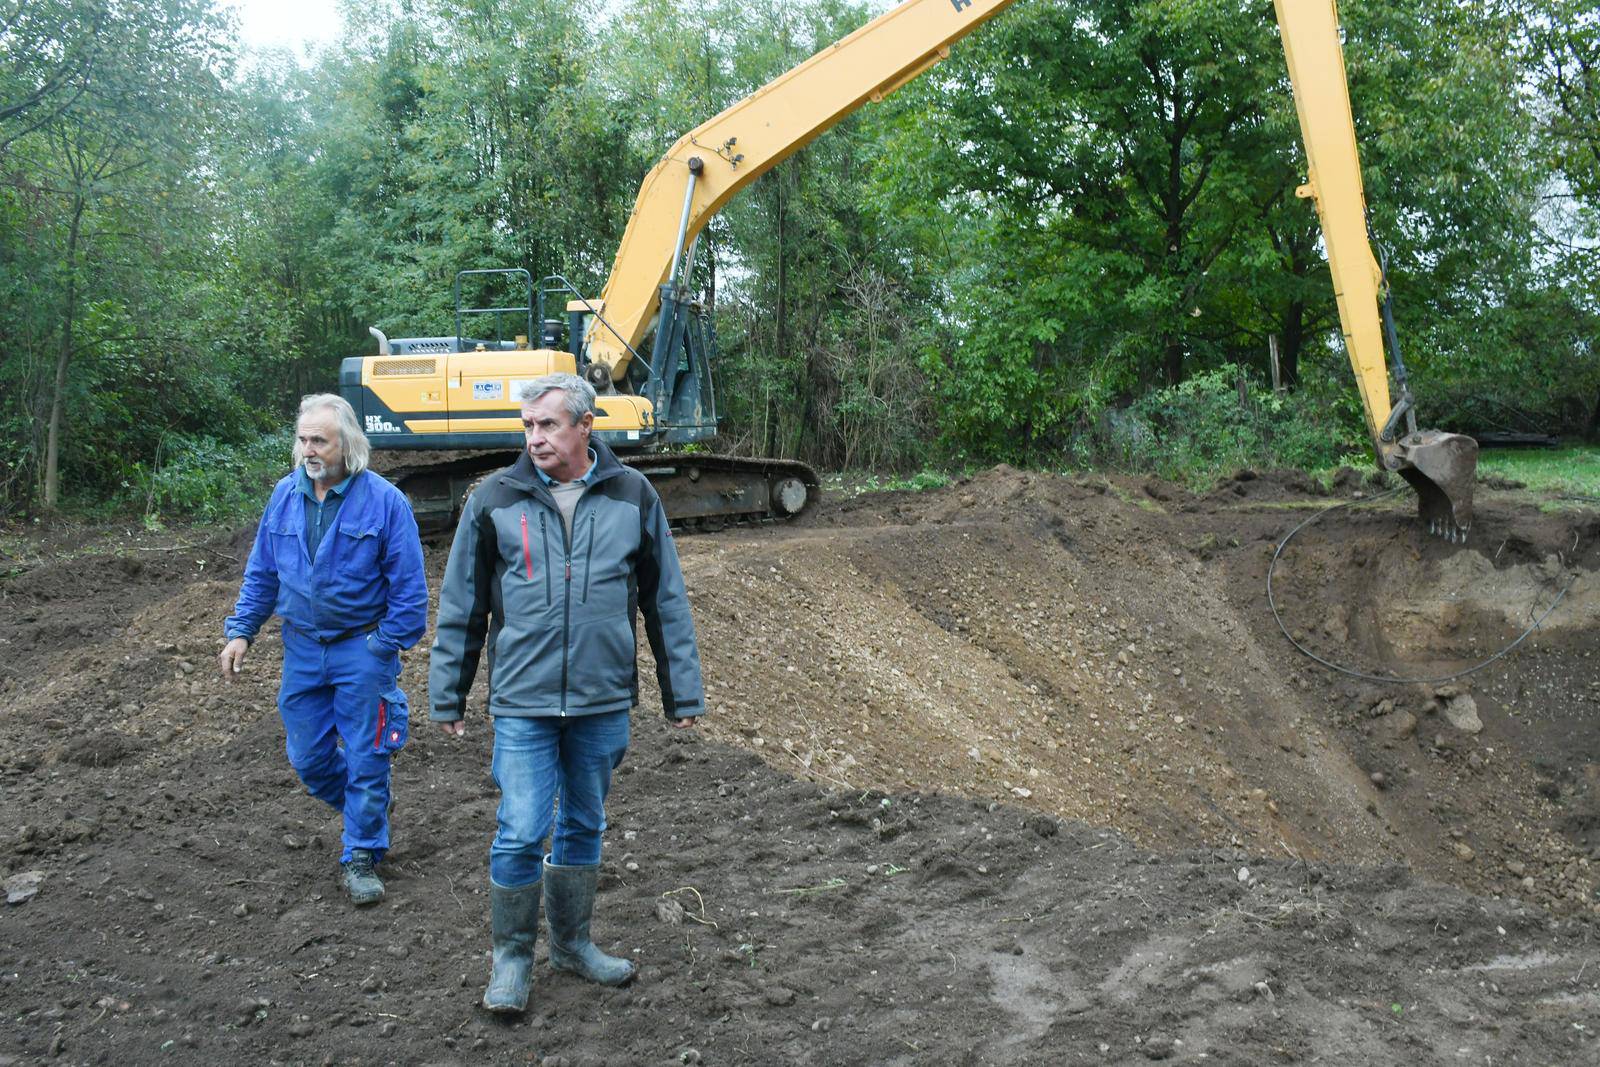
x: 847, y: 483
x: 202, y: 479
x: 1213, y: 424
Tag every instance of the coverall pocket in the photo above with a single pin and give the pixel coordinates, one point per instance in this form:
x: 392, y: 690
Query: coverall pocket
x: 394, y: 721
x: 387, y: 661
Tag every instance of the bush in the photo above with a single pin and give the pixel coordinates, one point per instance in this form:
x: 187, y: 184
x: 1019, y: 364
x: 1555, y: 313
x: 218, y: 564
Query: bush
x: 1201, y: 429
x: 203, y: 479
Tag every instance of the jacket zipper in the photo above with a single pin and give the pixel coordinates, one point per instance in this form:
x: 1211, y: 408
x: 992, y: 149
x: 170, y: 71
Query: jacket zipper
x: 383, y: 713
x: 527, y: 556
x: 588, y: 558
x: 544, y: 545
x: 566, y: 614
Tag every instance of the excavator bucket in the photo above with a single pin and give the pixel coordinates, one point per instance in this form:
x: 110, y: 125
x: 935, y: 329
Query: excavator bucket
x: 1442, y: 468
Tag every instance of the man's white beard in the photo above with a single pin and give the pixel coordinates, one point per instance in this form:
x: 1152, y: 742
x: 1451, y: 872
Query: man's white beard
x: 316, y: 469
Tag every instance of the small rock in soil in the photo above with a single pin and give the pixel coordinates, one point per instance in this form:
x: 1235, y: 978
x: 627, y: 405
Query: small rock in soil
x: 1159, y: 1047
x: 21, y: 888
x: 1462, y: 713
x: 1402, y: 724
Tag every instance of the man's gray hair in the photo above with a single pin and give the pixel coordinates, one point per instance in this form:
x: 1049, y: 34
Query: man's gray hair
x: 579, y: 393
x: 352, y: 442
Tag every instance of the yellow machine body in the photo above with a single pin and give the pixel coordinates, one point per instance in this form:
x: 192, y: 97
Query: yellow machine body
x: 475, y: 394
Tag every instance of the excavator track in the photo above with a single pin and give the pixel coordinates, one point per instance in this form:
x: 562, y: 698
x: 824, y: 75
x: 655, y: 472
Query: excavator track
x: 701, y: 491
x: 705, y: 491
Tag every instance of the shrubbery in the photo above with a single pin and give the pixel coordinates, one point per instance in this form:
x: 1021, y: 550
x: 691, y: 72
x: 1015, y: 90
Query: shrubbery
x: 206, y: 480
x: 1205, y: 427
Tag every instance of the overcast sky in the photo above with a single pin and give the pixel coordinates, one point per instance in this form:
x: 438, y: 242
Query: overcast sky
x: 290, y: 24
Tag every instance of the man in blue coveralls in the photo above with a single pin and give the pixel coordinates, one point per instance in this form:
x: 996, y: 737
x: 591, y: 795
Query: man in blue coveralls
x: 337, y: 556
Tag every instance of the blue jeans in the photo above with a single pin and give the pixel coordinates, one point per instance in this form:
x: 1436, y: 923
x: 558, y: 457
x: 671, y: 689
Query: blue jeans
x: 344, y: 692
x: 538, y: 761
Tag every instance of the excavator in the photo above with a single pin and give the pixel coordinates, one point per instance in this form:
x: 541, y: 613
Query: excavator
x: 459, y: 393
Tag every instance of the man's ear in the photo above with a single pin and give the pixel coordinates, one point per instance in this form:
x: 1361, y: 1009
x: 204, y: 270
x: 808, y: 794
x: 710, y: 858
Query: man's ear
x: 587, y: 422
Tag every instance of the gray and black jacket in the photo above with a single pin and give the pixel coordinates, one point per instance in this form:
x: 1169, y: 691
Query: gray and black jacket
x: 558, y: 617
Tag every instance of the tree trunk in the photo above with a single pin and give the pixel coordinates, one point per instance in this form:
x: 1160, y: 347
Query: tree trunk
x: 1174, y: 359
x: 1293, y: 335
x: 52, y: 448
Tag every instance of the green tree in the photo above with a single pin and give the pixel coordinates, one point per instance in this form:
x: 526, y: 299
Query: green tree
x: 110, y: 182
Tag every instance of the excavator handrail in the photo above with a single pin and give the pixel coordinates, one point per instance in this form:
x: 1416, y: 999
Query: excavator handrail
x: 588, y: 306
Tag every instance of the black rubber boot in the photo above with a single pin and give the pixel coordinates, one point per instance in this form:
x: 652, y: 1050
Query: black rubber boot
x: 569, y: 904
x: 514, y: 926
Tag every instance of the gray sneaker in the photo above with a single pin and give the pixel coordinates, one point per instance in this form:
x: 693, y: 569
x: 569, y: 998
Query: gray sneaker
x: 360, y: 880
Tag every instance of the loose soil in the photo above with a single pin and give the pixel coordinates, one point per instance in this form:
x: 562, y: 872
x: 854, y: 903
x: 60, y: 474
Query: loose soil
x: 1018, y: 771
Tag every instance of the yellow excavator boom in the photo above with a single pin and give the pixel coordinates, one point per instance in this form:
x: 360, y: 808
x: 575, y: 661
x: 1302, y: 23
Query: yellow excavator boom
x: 716, y: 159
x: 1440, y: 466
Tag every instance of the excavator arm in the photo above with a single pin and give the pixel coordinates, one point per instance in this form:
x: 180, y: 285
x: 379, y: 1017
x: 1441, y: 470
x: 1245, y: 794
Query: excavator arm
x: 716, y: 159
x: 1440, y: 466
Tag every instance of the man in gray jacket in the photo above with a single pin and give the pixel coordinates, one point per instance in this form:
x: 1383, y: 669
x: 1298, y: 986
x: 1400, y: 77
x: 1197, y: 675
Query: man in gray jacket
x: 554, y: 557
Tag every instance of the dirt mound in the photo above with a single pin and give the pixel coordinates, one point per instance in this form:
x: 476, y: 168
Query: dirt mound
x: 1021, y: 770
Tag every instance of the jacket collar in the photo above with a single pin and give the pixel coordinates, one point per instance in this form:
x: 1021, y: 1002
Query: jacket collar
x: 524, y: 475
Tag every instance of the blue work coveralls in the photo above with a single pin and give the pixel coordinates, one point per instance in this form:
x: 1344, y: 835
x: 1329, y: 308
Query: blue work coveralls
x: 347, y: 610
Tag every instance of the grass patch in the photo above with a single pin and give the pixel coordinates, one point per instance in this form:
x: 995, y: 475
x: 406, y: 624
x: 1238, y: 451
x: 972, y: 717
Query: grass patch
x: 855, y: 483
x: 1573, y: 471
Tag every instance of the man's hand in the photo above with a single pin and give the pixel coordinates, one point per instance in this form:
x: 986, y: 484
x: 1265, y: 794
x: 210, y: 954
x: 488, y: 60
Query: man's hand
x: 455, y: 729
x: 232, y: 658
x: 684, y: 724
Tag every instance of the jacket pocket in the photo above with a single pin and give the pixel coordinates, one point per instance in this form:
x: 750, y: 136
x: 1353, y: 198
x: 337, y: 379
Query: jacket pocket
x: 359, y: 546
x: 286, y: 547
x: 394, y: 721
